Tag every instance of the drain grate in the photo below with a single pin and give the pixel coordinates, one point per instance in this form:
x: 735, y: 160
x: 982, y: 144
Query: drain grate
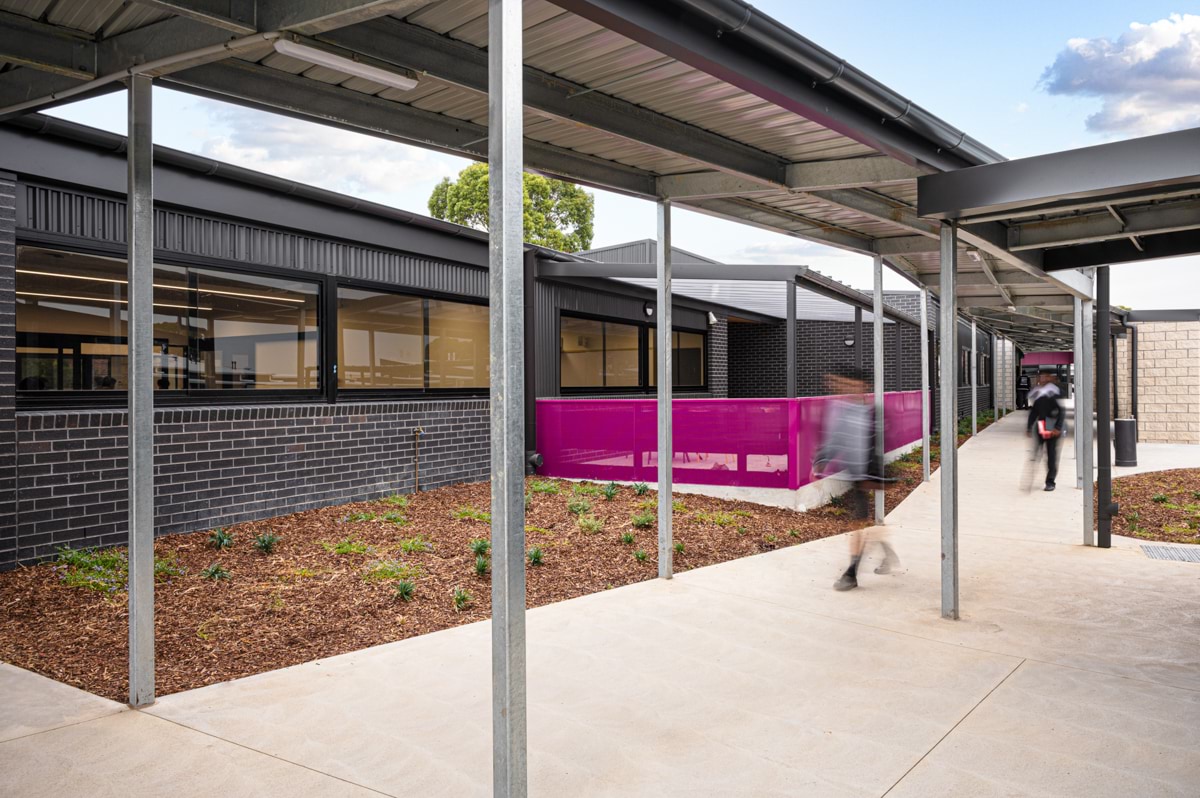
x: 1179, y: 553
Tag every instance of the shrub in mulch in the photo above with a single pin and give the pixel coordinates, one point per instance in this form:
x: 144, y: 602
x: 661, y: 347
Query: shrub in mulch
x: 1159, y: 505
x: 267, y: 594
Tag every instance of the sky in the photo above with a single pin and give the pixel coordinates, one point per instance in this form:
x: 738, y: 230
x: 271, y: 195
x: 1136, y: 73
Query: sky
x: 1030, y: 79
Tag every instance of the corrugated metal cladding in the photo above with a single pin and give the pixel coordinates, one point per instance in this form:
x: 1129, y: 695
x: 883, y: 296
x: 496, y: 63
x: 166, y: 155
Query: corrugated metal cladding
x: 97, y: 218
x: 551, y: 298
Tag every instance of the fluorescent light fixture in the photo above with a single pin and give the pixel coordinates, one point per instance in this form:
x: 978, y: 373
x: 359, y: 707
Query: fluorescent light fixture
x: 358, y: 69
x: 157, y: 285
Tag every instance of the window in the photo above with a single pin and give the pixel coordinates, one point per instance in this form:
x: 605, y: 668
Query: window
x: 393, y: 341
x: 212, y: 330
x: 964, y: 367
x: 687, y: 359
x: 605, y: 354
x: 985, y: 369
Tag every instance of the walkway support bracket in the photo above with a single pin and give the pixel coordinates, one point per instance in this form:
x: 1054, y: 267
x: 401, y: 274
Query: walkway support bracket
x: 948, y: 422
x: 925, y: 397
x: 880, y: 505
x: 140, y: 276
x: 665, y: 381
x: 506, y: 296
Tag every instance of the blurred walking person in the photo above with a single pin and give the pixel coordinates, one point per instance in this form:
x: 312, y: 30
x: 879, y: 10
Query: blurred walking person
x: 1046, y: 424
x: 847, y: 452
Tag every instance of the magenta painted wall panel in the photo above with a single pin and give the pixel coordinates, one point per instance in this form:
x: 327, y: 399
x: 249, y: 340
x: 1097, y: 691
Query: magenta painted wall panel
x: 1048, y: 359
x: 763, y: 443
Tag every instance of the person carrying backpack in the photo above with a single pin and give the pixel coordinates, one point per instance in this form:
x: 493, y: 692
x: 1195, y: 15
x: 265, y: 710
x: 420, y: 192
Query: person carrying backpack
x: 1047, y: 422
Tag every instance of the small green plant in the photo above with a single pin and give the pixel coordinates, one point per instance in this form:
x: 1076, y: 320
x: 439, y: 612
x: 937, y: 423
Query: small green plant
x: 590, y: 524
x: 641, y: 488
x: 585, y: 489
x: 471, y: 514
x: 482, y: 564
x: 627, y: 537
x: 395, y: 518
x: 357, y: 517
x: 540, y: 530
x: 837, y: 501
x: 611, y: 490
x: 346, y: 546
x: 405, y: 590
x: 215, y: 572
x: 462, y: 599
x: 220, y: 538
x: 535, y: 555
x: 480, y: 546
x: 718, y: 519
x: 397, y: 500
x: 544, y: 486
x: 105, y: 570
x: 642, y: 520
x: 679, y: 547
x: 528, y: 501
x: 1159, y: 498
x: 771, y: 538
x: 743, y: 513
x: 640, y: 555
x: 579, y: 507
x: 415, y: 545
x: 390, y: 571
x: 266, y: 542
x: 1196, y: 495
x: 648, y: 504
x: 793, y: 533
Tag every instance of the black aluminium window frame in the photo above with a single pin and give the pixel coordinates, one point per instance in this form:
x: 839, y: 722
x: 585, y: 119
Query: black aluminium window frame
x: 374, y: 394
x: 644, y: 328
x: 327, y: 343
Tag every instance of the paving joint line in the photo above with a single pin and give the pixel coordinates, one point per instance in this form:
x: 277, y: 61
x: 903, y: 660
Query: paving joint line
x: 65, y: 725
x: 950, y: 731
x: 277, y: 758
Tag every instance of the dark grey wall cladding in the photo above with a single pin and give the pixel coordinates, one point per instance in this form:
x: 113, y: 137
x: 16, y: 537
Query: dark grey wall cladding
x: 95, y: 218
x: 8, y: 409
x: 222, y: 465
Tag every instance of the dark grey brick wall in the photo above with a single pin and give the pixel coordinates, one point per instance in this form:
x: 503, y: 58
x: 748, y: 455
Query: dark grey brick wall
x: 222, y: 465
x: 718, y: 358
x: 8, y: 448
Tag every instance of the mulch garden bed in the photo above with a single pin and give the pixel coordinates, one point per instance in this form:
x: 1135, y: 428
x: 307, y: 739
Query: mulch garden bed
x: 1159, y: 505
x: 329, y: 583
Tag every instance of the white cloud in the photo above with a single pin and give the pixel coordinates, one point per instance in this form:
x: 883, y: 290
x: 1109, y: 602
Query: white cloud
x: 1148, y: 78
x: 1021, y: 108
x: 784, y: 250
x: 339, y: 160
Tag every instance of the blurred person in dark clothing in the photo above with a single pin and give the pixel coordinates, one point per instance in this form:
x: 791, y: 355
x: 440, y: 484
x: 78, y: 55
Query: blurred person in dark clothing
x: 847, y: 451
x: 1023, y: 391
x: 1046, y: 424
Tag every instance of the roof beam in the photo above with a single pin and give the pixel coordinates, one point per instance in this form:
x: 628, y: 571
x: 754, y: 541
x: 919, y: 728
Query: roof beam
x: 985, y: 264
x: 710, y: 185
x: 1040, y: 314
x: 236, y: 16
x: 292, y: 95
x: 311, y: 17
x: 466, y: 66
x: 981, y: 279
x: 1102, y: 253
x: 905, y: 245
x: 850, y: 173
x: 48, y: 48
x: 1106, y: 225
x: 777, y: 220
x: 992, y: 238
x: 1151, y: 163
x: 878, y: 207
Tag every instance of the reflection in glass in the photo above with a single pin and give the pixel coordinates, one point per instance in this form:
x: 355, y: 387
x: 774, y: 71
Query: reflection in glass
x: 581, y: 353
x: 381, y: 340
x: 458, y: 345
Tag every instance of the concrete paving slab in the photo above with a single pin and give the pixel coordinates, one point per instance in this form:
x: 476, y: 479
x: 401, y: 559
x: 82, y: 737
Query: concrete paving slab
x: 33, y: 703
x: 1058, y: 731
x: 135, y: 754
x: 658, y: 688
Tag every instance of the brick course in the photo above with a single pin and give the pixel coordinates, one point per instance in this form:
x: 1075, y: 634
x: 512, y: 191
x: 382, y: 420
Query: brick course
x: 222, y: 465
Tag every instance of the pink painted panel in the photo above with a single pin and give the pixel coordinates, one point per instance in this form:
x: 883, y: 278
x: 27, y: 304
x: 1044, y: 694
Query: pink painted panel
x: 767, y: 443
x: 1048, y: 358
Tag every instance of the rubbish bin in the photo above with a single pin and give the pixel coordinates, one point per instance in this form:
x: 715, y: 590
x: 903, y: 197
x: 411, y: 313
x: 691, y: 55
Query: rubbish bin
x: 1126, y: 440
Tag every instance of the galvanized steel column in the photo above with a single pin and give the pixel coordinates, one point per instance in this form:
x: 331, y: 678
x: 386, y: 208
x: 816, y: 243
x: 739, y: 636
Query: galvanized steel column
x: 665, y: 380
x: 1077, y: 353
x: 877, y: 310
x: 1104, y: 413
x: 140, y: 310
x: 858, y: 366
x: 974, y: 379
x: 506, y: 300
x: 791, y: 338
x: 925, y: 398
x: 1084, y: 426
x: 948, y: 338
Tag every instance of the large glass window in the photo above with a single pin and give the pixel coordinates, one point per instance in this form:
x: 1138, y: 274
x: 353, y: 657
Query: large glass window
x: 605, y: 354
x: 212, y: 330
x: 389, y: 341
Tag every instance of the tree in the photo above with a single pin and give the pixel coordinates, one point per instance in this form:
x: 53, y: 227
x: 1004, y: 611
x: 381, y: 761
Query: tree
x: 557, y: 214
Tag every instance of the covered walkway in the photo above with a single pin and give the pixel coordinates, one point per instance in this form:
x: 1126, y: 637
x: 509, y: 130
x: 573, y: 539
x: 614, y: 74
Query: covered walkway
x: 1074, y: 671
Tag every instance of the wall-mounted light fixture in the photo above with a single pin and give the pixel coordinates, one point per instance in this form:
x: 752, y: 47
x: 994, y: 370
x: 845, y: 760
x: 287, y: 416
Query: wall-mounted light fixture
x: 648, y: 309
x: 712, y: 318
x: 849, y: 342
